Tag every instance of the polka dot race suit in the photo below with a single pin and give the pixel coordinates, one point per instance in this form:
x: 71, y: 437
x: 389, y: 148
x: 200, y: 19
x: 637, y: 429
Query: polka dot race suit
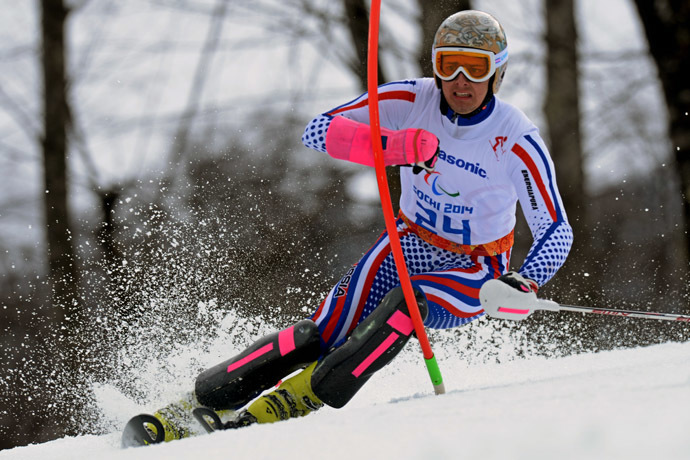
x: 456, y: 224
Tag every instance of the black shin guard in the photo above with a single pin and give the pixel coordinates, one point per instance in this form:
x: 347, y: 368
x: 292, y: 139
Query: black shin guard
x: 372, y: 345
x: 235, y: 382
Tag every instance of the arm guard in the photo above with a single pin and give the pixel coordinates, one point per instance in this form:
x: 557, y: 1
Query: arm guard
x: 350, y: 140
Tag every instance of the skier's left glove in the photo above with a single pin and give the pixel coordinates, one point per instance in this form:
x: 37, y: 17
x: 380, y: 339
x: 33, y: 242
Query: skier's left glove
x: 519, y: 282
x: 510, y: 296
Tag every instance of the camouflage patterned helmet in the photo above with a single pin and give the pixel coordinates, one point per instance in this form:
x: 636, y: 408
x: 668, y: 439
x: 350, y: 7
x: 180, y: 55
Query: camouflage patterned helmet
x: 478, y: 30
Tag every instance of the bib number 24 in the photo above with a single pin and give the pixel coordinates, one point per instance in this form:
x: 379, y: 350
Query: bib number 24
x: 429, y: 220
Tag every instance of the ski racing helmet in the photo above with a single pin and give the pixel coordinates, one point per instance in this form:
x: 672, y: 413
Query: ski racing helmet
x: 471, y: 42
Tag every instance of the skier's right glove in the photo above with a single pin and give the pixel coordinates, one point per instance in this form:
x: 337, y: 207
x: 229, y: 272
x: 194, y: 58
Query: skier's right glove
x: 428, y: 165
x: 519, y: 282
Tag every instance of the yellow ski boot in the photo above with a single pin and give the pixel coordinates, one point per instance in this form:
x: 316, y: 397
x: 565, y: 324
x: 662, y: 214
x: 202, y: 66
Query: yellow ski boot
x: 293, y: 398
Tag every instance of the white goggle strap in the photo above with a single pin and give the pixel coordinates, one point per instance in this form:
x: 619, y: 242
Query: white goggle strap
x: 501, y: 58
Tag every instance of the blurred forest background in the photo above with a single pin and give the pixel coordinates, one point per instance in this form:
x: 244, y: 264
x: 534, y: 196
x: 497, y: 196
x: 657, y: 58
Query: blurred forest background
x: 151, y: 166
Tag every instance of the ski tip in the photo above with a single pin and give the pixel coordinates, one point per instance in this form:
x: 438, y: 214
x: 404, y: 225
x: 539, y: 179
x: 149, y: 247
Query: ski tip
x: 142, y: 430
x: 208, y: 419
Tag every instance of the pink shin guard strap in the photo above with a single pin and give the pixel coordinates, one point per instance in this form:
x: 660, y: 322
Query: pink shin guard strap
x: 381, y: 349
x: 350, y: 140
x: 286, y: 340
x: 250, y: 357
x: 398, y: 321
x: 286, y: 344
x: 401, y: 323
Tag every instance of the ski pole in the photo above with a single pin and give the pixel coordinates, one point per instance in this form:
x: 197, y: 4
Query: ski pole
x: 504, y: 302
x: 387, y: 206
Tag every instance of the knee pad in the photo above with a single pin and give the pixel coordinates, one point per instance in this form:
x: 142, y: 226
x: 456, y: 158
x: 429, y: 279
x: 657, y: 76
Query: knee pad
x: 372, y: 345
x: 233, y: 383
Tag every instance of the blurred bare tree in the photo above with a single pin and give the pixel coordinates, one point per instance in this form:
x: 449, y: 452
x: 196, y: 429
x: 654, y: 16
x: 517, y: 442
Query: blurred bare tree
x: 357, y: 20
x: 562, y: 113
x: 180, y: 152
x: 64, y: 274
x: 65, y: 336
x: 667, y: 28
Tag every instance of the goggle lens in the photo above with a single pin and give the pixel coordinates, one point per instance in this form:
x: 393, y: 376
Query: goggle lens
x: 477, y: 65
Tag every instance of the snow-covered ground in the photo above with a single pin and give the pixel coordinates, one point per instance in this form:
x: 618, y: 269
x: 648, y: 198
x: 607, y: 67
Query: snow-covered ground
x: 622, y: 404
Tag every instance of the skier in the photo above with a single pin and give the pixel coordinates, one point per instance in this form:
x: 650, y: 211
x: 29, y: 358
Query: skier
x: 473, y: 157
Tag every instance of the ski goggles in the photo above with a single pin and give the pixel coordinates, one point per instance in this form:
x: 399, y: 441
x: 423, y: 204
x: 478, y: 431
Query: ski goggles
x: 476, y: 65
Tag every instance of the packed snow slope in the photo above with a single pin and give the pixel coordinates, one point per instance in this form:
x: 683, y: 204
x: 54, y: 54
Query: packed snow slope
x: 627, y: 404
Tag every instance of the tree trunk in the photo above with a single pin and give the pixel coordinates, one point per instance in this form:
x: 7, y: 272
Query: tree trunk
x: 562, y: 112
x: 61, y: 260
x: 667, y: 27
x: 357, y: 16
x: 65, y: 340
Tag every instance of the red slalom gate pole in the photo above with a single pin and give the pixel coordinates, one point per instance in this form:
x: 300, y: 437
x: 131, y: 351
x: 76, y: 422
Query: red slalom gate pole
x: 387, y: 206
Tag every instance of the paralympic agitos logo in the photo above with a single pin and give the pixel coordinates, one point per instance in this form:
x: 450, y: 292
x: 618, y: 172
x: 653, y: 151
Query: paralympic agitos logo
x: 434, y: 180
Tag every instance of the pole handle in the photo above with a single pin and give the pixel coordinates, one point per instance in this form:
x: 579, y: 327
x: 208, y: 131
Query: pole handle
x: 505, y: 302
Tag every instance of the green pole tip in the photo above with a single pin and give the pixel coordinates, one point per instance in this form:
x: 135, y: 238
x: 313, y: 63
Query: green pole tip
x: 435, y: 374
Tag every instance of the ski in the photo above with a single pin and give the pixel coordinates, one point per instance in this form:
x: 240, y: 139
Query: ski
x: 148, y: 429
x: 143, y: 430
x: 182, y: 419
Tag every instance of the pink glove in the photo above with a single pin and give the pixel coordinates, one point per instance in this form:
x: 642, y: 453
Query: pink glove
x: 349, y: 140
